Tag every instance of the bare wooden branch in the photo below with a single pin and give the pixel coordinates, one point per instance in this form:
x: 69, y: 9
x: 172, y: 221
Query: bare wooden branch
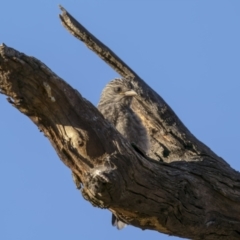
x: 77, y: 30
x: 170, y: 139
x: 197, y: 199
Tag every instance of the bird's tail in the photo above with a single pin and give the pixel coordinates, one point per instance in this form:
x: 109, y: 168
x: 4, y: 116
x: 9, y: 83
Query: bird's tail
x: 118, y: 223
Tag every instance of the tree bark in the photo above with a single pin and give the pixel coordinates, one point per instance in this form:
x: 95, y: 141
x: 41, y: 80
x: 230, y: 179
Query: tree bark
x: 182, y: 188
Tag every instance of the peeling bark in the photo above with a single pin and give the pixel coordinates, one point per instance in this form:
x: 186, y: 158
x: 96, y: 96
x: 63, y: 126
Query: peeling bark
x: 182, y: 188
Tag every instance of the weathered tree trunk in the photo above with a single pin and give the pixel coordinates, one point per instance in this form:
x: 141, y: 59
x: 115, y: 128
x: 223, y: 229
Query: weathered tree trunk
x: 182, y: 188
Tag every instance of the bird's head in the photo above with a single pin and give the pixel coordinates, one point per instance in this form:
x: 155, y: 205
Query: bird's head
x: 118, y: 91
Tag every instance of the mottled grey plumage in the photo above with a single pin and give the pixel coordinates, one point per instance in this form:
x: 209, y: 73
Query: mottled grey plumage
x: 115, y: 105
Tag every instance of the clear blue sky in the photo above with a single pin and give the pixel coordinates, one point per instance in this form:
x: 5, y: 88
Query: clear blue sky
x: 188, y: 51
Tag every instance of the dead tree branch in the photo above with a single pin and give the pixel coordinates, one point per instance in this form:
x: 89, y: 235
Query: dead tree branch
x: 188, y: 192
x: 81, y: 33
x: 170, y: 139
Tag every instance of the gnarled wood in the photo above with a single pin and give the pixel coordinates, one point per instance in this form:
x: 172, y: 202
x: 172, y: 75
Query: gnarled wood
x: 189, y: 192
x: 170, y: 139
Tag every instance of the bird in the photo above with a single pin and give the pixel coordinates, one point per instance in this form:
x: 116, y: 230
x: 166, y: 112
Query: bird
x: 115, y: 106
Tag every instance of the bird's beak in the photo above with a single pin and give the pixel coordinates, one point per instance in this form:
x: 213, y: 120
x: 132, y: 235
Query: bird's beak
x: 130, y: 93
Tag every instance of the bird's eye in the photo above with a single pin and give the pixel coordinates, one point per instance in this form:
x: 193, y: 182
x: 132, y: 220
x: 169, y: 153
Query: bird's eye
x: 118, y: 89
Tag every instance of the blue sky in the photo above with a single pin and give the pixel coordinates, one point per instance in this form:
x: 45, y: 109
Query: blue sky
x: 187, y: 51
